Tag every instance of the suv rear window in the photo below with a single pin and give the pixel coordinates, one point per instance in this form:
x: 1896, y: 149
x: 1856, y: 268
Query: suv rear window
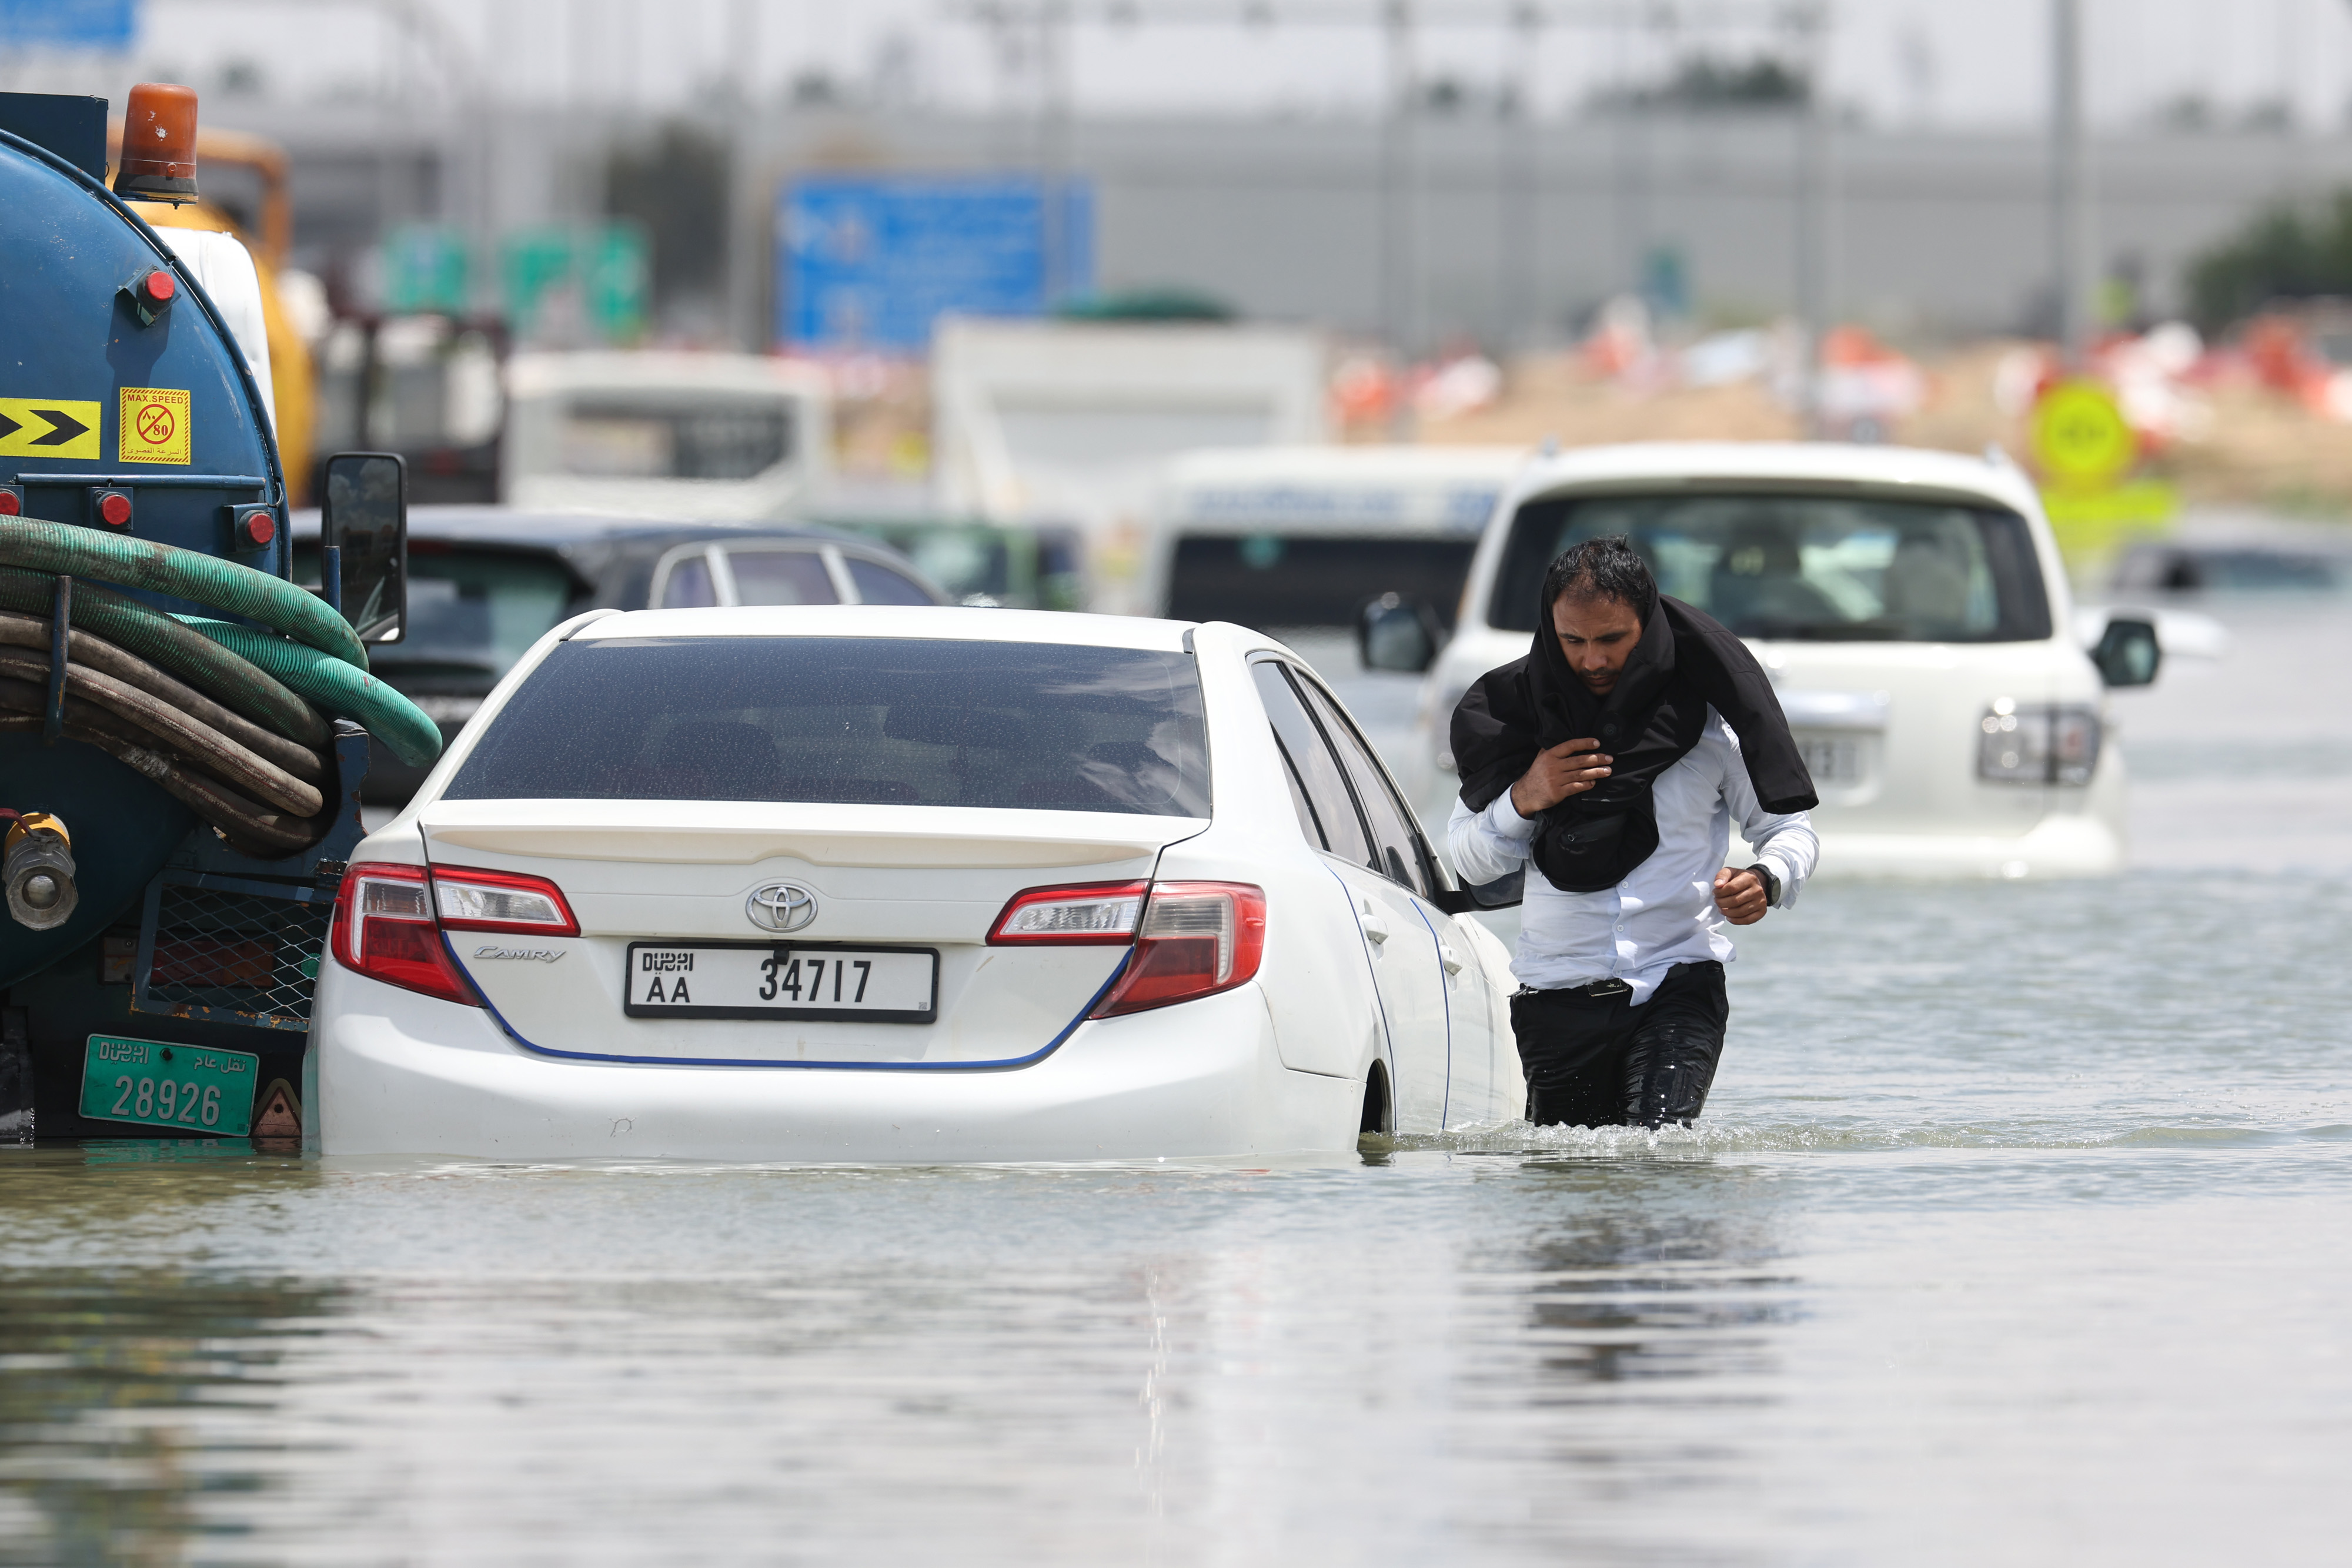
x: 1808, y: 568
x: 867, y: 720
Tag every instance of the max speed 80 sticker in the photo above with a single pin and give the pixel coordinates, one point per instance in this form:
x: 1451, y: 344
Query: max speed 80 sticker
x: 154, y: 427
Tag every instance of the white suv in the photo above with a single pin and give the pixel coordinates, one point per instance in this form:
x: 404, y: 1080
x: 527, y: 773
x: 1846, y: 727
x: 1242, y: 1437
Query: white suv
x: 1912, y: 610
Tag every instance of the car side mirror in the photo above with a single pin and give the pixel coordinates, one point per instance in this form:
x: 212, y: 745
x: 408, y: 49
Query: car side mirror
x: 2128, y: 654
x: 1504, y: 893
x: 1394, y: 633
x: 364, y: 543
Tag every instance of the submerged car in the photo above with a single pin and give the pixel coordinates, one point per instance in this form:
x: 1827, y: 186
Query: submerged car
x: 906, y: 884
x: 1910, y: 607
x: 486, y: 582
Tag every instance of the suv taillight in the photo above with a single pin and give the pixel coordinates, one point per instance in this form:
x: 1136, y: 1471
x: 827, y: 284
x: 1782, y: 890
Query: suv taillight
x: 2037, y: 742
x: 386, y: 925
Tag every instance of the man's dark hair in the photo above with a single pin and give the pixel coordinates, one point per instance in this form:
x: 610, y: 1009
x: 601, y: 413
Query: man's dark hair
x: 1601, y: 569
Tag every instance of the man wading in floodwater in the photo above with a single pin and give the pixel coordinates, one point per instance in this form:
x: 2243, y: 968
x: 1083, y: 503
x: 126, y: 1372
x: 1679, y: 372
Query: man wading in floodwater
x: 1611, y: 760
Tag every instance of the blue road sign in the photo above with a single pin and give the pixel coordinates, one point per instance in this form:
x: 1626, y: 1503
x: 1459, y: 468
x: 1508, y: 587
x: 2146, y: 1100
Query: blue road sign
x: 869, y: 261
x: 108, y: 24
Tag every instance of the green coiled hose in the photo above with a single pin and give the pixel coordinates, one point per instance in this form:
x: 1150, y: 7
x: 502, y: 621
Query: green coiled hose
x: 60, y: 548
x: 264, y: 677
x: 333, y: 686
x: 163, y: 641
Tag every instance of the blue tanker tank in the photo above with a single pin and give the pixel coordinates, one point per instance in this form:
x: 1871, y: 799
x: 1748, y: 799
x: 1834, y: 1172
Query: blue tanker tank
x: 183, y: 728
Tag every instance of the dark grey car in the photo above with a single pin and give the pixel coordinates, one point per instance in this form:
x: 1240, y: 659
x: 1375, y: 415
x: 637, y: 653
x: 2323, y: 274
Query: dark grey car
x: 486, y: 582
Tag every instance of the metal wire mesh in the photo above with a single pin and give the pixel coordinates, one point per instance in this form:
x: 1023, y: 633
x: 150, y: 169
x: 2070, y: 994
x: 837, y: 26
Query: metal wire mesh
x: 238, y: 952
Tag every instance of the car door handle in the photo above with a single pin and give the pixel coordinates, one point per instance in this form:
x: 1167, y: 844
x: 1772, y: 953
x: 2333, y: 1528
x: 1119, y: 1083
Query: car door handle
x: 1450, y: 958
x: 1374, y: 926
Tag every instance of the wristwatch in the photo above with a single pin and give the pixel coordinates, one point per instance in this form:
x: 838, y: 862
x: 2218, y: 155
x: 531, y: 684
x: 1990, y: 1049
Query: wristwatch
x: 1772, y: 884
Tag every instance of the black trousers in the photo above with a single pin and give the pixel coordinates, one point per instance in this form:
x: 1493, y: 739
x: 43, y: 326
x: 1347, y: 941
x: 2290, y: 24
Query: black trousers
x: 1599, y: 1062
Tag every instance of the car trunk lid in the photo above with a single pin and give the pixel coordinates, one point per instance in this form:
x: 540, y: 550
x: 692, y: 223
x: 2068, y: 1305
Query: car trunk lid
x: 680, y: 876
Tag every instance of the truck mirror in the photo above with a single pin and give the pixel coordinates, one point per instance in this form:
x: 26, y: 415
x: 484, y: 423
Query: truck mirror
x: 2128, y: 654
x: 363, y: 542
x: 1394, y: 632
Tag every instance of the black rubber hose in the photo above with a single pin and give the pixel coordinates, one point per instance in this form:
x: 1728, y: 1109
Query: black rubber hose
x: 205, y: 746
x: 174, y: 648
x: 98, y: 653
x: 249, y: 827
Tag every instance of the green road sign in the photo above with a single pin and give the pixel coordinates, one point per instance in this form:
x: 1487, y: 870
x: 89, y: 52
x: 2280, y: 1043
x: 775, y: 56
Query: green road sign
x: 586, y: 283
x: 424, y: 269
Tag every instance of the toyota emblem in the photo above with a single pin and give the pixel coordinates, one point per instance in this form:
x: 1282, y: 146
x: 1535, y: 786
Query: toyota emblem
x: 781, y: 906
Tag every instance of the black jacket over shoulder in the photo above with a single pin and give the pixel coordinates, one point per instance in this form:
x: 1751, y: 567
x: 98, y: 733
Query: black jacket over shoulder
x: 1686, y: 663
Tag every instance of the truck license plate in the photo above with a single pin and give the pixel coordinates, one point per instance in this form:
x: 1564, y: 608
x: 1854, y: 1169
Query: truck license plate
x: 789, y: 980
x: 196, y: 1089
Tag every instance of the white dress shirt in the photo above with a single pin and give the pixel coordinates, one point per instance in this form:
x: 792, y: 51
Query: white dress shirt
x: 1662, y: 914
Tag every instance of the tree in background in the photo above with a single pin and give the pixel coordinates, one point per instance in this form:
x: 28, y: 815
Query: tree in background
x: 2285, y: 252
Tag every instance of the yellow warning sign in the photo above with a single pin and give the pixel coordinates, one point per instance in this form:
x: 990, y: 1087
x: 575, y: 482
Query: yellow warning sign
x: 154, y: 427
x: 2081, y: 439
x: 49, y: 427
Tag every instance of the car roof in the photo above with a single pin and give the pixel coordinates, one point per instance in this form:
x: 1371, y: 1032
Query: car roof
x: 1884, y: 469
x: 557, y: 530
x: 944, y: 622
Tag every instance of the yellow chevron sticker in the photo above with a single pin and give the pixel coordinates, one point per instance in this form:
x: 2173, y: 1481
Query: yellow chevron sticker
x: 49, y: 427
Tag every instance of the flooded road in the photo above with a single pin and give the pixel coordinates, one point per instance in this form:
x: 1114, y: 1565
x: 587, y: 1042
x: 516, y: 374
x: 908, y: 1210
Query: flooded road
x: 2018, y: 1230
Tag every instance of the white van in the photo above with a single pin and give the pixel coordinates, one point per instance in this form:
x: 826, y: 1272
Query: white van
x: 1910, y: 606
x: 1304, y: 536
x: 705, y: 438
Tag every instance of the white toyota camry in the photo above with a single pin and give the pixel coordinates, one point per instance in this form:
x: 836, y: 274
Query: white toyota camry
x: 905, y: 884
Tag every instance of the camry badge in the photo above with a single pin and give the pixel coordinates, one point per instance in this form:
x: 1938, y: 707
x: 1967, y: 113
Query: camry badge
x: 533, y: 955
x: 781, y: 906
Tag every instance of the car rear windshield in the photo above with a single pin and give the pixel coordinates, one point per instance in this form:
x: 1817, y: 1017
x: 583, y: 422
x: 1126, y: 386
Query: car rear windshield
x: 1820, y: 568
x: 869, y: 720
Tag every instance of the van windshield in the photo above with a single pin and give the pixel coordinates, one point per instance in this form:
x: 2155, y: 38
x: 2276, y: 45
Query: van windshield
x: 1818, y: 568
x: 864, y: 720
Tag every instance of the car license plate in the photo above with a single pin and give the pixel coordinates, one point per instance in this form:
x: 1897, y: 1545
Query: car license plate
x: 195, y: 1089
x: 1832, y: 758
x: 819, y: 981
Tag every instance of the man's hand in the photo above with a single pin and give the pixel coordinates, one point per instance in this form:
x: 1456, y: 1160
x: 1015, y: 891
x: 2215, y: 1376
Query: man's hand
x: 1740, y: 896
x: 1568, y: 769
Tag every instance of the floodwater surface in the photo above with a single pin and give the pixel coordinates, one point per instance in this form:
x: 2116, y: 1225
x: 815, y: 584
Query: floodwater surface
x: 2018, y: 1230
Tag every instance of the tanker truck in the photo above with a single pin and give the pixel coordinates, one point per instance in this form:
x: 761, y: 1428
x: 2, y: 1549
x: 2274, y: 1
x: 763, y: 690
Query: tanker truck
x: 183, y: 728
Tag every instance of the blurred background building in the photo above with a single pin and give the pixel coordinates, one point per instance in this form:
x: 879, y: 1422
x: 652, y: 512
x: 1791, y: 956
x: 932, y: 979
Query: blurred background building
x: 1499, y: 219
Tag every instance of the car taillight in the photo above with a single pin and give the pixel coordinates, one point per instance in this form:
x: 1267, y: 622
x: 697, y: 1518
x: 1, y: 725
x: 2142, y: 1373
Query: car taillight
x: 471, y: 900
x: 2035, y: 743
x: 1197, y: 938
x: 1094, y: 914
x: 389, y: 920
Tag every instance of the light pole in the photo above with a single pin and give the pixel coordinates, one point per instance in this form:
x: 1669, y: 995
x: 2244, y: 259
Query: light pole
x: 2070, y: 185
x: 1812, y: 209
x: 1517, y: 188
x: 1399, y: 230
